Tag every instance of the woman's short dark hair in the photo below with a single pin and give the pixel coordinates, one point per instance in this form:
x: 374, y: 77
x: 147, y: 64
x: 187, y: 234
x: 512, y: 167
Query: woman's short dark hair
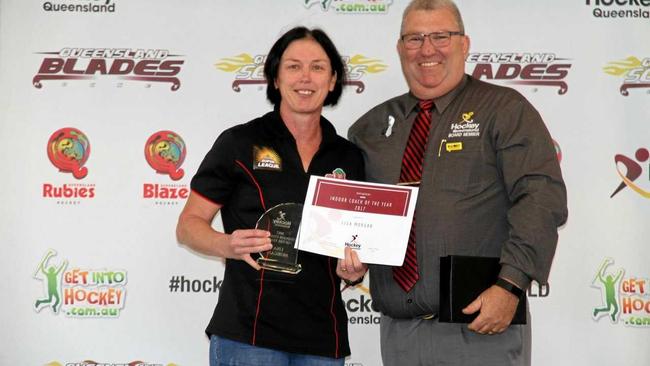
x: 272, y: 64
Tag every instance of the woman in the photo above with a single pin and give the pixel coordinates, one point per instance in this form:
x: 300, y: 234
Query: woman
x: 264, y: 317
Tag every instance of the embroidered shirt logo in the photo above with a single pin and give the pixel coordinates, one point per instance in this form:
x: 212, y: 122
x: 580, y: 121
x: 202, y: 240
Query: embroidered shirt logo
x: 265, y: 158
x: 466, y: 127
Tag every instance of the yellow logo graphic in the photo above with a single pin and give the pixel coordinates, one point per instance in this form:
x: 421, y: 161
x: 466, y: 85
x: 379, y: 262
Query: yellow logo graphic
x: 620, y: 68
x: 265, y: 158
x: 467, y: 117
x: 454, y: 146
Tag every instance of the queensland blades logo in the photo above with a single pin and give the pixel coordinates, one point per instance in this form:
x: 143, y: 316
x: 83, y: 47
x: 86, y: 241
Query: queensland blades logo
x: 634, y: 71
x: 528, y: 69
x: 165, y: 152
x: 249, y: 70
x: 122, y: 64
x: 68, y: 150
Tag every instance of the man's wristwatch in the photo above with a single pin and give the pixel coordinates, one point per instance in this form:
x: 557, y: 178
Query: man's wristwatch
x: 509, y: 287
x: 354, y: 283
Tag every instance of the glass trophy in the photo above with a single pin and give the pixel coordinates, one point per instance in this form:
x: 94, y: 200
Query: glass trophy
x: 283, y: 222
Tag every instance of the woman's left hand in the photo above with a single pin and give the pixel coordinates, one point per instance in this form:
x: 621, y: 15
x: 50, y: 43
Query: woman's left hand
x: 350, y: 268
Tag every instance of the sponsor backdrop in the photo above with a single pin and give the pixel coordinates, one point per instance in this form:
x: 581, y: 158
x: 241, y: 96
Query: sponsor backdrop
x: 108, y: 106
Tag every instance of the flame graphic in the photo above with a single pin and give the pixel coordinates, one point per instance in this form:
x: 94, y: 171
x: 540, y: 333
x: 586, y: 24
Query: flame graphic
x: 619, y: 68
x: 373, y: 66
x: 232, y: 64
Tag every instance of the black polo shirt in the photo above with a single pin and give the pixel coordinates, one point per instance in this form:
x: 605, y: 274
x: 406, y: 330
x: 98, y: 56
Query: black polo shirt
x: 251, y: 168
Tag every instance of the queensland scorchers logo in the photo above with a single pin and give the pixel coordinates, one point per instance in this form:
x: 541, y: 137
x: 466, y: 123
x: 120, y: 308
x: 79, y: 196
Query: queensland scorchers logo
x: 630, y: 170
x: 351, y: 6
x: 623, y: 298
x: 68, y: 150
x: 532, y: 69
x: 620, y: 8
x: 249, y: 70
x: 74, y: 64
x: 634, y: 71
x: 165, y: 152
x: 79, y: 292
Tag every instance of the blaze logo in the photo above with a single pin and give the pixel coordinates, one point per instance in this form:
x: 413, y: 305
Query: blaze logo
x: 165, y: 152
x: 151, y: 66
x: 68, y: 149
x: 249, y: 70
x: 633, y: 170
x: 636, y: 73
x: 534, y: 69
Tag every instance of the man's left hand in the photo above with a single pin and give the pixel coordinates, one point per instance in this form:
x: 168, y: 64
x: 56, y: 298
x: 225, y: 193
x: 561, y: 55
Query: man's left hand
x: 496, y: 308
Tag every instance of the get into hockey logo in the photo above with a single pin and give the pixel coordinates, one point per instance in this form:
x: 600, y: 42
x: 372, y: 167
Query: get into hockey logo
x: 165, y: 152
x: 351, y: 6
x: 526, y: 69
x: 625, y: 9
x: 249, y: 70
x: 631, y: 173
x: 79, y: 292
x: 150, y: 66
x: 623, y: 298
x: 634, y: 71
x: 68, y: 150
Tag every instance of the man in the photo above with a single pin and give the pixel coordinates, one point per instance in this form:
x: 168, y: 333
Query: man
x: 490, y: 186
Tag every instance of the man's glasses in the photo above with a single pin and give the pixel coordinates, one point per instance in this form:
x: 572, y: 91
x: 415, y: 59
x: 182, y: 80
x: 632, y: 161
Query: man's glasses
x: 438, y: 39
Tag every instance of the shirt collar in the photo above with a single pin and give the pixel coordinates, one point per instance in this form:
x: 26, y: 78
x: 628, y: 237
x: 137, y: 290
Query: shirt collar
x: 279, y: 129
x: 441, y: 103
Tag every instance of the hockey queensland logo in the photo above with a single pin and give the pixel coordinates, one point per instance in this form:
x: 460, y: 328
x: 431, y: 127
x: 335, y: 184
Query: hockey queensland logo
x: 79, y: 292
x: 165, y: 152
x: 68, y: 149
x: 359, y: 305
x: 634, y: 71
x: 249, y: 70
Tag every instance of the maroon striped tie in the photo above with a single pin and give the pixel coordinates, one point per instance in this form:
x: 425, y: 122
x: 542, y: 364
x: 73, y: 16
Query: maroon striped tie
x: 407, y: 275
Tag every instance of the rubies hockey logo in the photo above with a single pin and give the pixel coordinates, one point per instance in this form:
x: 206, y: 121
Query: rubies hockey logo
x: 634, y: 71
x: 79, y: 292
x: 630, y: 170
x: 249, y: 70
x: 625, y: 9
x: 123, y: 64
x: 68, y: 150
x: 351, y: 6
x: 165, y: 152
x: 527, y: 69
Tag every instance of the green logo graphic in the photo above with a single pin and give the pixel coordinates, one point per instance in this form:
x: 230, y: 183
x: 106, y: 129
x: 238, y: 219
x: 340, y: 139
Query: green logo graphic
x: 52, y: 278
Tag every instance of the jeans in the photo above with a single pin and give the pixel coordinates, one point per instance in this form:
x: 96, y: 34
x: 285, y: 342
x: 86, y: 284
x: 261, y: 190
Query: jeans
x: 225, y: 352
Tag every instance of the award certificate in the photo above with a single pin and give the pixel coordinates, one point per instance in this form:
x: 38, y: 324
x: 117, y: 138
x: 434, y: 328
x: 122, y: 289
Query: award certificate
x: 373, y: 219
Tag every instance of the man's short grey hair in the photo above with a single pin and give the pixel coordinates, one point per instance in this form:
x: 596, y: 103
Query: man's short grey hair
x: 434, y: 5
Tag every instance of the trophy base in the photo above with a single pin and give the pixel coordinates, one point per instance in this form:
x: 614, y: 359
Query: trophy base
x: 276, y: 266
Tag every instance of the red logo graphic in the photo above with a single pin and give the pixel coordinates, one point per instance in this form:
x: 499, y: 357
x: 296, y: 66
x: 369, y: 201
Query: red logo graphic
x: 533, y: 69
x: 633, y: 170
x: 165, y: 152
x: 68, y: 149
x: 151, y: 65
